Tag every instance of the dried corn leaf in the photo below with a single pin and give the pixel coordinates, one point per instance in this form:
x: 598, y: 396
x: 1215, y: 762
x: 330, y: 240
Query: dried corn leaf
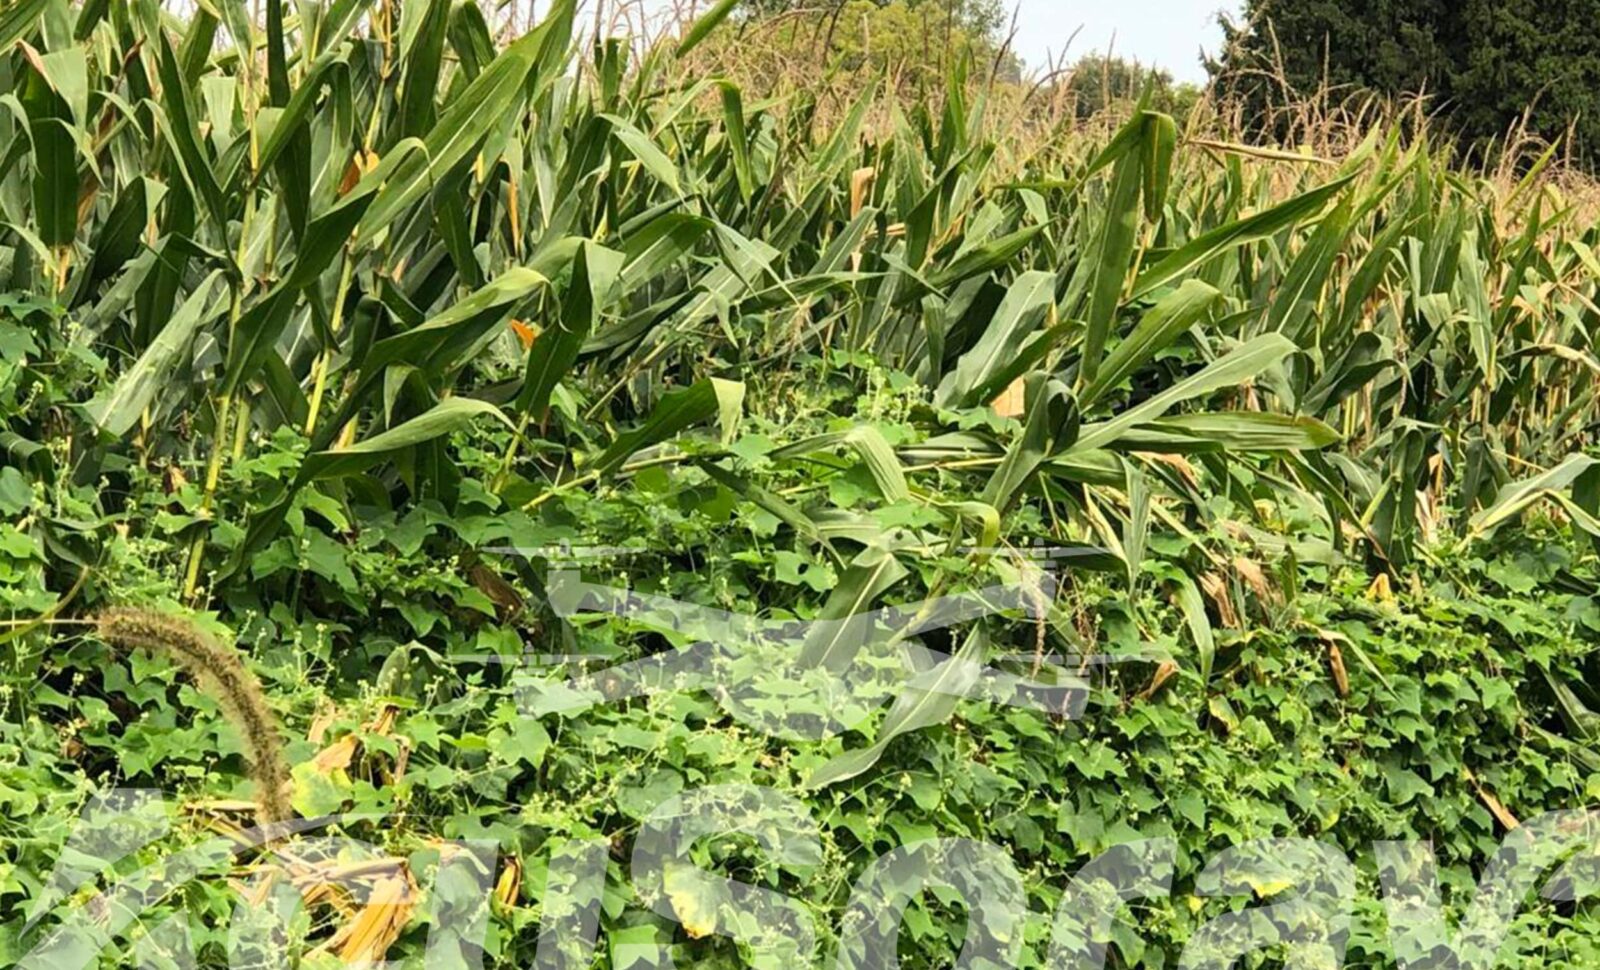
x: 1011, y: 402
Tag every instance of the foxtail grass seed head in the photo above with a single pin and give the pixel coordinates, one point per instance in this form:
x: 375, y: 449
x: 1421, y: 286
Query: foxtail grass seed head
x: 220, y: 673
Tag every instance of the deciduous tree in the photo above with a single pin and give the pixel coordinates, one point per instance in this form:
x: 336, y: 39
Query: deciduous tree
x: 1483, y: 63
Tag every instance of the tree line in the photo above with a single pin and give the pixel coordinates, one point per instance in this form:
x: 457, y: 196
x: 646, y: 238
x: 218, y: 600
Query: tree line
x: 1487, y: 70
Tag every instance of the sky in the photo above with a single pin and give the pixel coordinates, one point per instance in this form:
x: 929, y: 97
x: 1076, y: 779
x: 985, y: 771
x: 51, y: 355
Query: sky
x: 1167, y: 34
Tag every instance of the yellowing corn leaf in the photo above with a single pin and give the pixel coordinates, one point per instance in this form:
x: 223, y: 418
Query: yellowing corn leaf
x: 509, y: 886
x: 696, y: 912
x: 1255, y: 578
x: 1164, y: 672
x: 1341, y: 677
x: 1494, y: 805
x: 1379, y: 591
x: 1216, y: 588
x: 384, y: 723
x: 352, y: 175
x: 1011, y: 402
x: 1267, y: 888
x: 337, y: 756
x: 325, y: 717
x: 860, y: 182
x: 379, y: 923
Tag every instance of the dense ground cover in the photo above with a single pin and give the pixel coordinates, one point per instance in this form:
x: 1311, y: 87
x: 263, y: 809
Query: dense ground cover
x: 332, y: 331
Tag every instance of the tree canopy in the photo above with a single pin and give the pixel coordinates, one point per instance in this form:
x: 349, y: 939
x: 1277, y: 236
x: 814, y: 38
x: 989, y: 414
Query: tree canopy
x: 979, y: 17
x: 1098, y: 82
x: 1483, y: 63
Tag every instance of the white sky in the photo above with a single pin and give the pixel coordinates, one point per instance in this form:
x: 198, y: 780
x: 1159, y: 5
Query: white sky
x: 1167, y: 34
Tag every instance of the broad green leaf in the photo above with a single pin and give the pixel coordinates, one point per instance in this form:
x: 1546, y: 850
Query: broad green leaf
x: 67, y: 72
x: 702, y: 28
x: 54, y: 140
x: 738, y: 140
x: 55, y: 182
x: 420, y: 81
x: 1246, y: 362
x: 645, y: 152
x: 987, y: 517
x: 289, y: 127
x: 449, y: 415
x: 983, y: 259
x: 868, y: 443
x: 1137, y: 531
x: 1250, y: 229
x: 1110, y: 262
x: 119, y: 410
x: 255, y: 335
x: 880, y: 460
x: 781, y: 508
x: 498, y: 91
x: 594, y: 279
x: 1516, y: 497
x: 1365, y: 358
x: 294, y: 171
x: 844, y: 624
x: 661, y: 243
x: 1294, y: 307
x: 440, y: 344
x: 1050, y: 427
x: 1019, y: 315
x: 1199, y: 624
x: 1166, y: 321
x: 1160, y: 145
x: 928, y: 700
x: 678, y: 410
x: 1252, y: 430
x: 18, y: 20
x: 178, y: 100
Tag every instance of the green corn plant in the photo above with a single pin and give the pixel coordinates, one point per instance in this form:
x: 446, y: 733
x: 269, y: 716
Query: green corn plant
x: 372, y: 226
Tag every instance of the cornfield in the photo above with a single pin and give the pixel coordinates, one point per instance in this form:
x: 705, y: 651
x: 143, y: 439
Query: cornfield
x: 416, y: 256
x: 349, y: 240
